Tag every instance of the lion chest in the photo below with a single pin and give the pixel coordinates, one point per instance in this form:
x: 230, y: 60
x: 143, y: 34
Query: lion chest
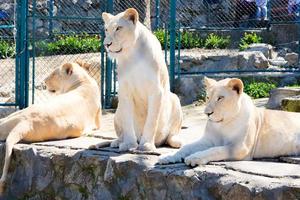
x: 137, y: 82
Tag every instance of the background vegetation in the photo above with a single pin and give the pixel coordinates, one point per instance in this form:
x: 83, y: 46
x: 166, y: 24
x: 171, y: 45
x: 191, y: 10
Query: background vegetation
x: 84, y: 43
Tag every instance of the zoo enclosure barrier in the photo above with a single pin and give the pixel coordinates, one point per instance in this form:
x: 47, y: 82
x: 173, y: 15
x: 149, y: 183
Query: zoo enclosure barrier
x: 44, y: 34
x: 50, y: 32
x: 232, y: 18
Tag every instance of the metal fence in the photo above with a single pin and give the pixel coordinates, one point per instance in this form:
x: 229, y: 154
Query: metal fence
x: 226, y: 18
x: 45, y: 34
x: 12, y: 54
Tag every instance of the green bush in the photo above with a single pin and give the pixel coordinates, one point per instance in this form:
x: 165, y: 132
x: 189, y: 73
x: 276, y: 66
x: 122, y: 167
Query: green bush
x: 259, y: 89
x: 160, y: 34
x: 189, y: 40
x: 249, y: 38
x: 214, y: 41
x: 7, y: 49
x: 71, y: 44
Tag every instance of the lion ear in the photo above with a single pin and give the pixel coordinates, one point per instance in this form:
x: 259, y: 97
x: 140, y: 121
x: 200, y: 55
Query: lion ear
x: 208, y: 82
x: 236, y: 85
x: 132, y: 15
x: 106, y: 17
x: 68, y: 68
x: 85, y: 65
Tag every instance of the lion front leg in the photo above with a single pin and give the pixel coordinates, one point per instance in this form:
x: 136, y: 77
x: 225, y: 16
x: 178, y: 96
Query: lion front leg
x: 184, y: 151
x: 176, y: 118
x: 217, y: 154
x: 124, y: 126
x: 147, y: 142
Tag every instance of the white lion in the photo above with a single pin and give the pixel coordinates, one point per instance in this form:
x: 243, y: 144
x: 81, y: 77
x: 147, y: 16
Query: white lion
x: 148, y: 112
x: 74, y: 110
x: 237, y: 130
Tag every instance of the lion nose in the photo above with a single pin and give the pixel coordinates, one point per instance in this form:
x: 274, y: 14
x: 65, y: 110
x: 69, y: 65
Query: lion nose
x: 107, y: 45
x: 209, y: 113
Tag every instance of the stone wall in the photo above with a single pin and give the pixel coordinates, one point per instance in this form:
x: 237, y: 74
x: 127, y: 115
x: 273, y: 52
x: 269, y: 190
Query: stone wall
x: 41, y: 172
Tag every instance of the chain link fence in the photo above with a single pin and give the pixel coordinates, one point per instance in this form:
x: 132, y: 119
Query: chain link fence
x: 7, y: 60
x: 64, y: 31
x: 256, y: 40
x: 230, y: 14
x: 61, y: 31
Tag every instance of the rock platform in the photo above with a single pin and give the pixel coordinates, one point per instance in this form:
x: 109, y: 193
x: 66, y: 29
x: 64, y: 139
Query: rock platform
x: 68, y: 169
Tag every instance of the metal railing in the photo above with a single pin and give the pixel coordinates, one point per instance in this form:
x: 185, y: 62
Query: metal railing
x: 41, y: 26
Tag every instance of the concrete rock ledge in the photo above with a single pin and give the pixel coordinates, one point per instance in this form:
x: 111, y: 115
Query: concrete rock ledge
x: 50, y: 171
x: 68, y: 170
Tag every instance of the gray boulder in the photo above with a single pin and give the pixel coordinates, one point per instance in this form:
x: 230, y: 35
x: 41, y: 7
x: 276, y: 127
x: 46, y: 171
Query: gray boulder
x: 266, y: 49
x: 291, y: 104
x: 292, y: 59
x: 252, y: 60
x: 279, y: 61
x: 278, y: 94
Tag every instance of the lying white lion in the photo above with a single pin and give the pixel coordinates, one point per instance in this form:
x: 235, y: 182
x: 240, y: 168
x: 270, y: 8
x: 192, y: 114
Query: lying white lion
x: 74, y: 110
x: 237, y: 130
x: 148, y: 112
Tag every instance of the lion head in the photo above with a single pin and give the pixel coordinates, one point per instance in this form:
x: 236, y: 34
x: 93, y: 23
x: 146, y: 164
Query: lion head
x: 223, y: 99
x: 66, y: 77
x: 120, y: 32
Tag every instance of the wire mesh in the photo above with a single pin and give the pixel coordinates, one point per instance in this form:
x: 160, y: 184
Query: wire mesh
x: 208, y: 24
x: 66, y: 30
x: 7, y: 58
x: 228, y: 14
x: 60, y: 32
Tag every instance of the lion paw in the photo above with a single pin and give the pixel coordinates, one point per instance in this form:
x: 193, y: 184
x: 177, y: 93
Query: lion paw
x: 115, y: 143
x: 147, y: 147
x: 193, y: 161
x: 124, y: 146
x: 165, y: 159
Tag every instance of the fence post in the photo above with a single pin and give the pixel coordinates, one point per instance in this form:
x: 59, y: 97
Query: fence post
x: 157, y: 13
x: 22, y: 56
x: 172, y: 42
x: 50, y: 19
x: 109, y: 68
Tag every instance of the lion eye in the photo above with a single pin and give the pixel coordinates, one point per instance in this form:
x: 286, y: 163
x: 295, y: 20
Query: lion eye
x: 207, y: 98
x: 119, y: 28
x: 220, y: 98
x: 106, y: 30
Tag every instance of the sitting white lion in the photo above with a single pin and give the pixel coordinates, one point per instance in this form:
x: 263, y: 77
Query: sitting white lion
x: 74, y: 110
x: 237, y: 130
x: 148, y: 113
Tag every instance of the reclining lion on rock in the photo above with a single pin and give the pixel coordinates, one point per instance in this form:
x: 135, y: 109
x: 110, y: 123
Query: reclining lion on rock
x: 237, y: 130
x: 148, y: 112
x: 75, y: 109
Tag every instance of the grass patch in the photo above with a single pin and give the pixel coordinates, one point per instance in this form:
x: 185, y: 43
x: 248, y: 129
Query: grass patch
x: 189, y: 40
x: 7, y: 49
x: 70, y: 44
x: 247, y: 39
x: 84, y: 43
x: 214, y: 41
x: 258, y: 89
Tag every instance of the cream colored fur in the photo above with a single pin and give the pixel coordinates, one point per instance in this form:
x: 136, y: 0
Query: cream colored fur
x: 148, y: 113
x: 74, y: 110
x: 237, y: 130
